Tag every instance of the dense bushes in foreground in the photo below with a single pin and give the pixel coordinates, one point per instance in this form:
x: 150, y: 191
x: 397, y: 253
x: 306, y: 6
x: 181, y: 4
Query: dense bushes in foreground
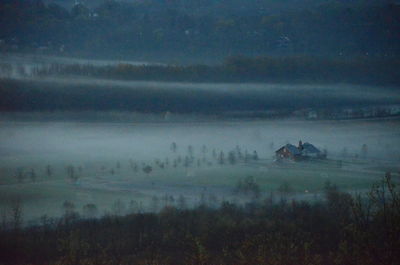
x: 340, y: 230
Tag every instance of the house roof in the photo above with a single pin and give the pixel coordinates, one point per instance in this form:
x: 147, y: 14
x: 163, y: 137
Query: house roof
x: 309, y: 148
x: 292, y: 149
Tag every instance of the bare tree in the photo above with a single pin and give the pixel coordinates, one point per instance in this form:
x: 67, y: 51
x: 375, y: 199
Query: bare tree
x: 204, y: 149
x: 212, y: 200
x: 171, y: 200
x: 3, y: 220
x: 239, y: 152
x: 364, y: 151
x: 255, y: 155
x: 232, y: 157
x: 248, y: 187
x: 271, y: 145
x: 119, y: 207
x: 182, y: 204
x: 69, y: 212
x: 90, y: 210
x: 72, y: 174
x: 68, y: 207
x: 345, y: 153
x: 49, y: 171
x: 221, y: 158
x: 202, y: 201
x: 20, y: 175
x: 246, y: 156
x: 165, y: 200
x: 187, y: 162
x: 285, y: 189
x: 133, y: 206
x: 155, y: 204
x: 33, y: 175
x: 16, y: 214
x: 174, y: 147
x: 135, y: 167
x: 190, y: 150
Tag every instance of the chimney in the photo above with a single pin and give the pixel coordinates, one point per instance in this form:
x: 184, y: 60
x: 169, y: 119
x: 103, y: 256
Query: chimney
x: 300, y: 145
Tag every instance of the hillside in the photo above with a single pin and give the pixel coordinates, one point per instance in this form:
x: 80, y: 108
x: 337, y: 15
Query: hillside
x: 202, y: 31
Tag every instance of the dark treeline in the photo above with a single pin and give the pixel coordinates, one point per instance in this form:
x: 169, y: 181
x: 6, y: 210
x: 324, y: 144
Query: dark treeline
x: 33, y: 95
x: 339, y: 230
x: 299, y: 69
x: 211, y: 29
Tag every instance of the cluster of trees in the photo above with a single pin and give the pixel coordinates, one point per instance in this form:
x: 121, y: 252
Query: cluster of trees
x: 295, y: 69
x: 31, y: 95
x: 24, y: 175
x: 342, y: 229
x: 249, y: 187
x: 205, y: 157
x: 207, y: 29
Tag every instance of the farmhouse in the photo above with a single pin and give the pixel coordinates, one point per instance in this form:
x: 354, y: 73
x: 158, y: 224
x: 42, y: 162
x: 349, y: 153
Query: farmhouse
x: 288, y: 151
x: 300, y: 152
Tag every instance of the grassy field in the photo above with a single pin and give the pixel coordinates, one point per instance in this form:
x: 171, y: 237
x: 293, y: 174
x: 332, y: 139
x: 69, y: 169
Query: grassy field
x: 97, y: 184
x: 107, y: 161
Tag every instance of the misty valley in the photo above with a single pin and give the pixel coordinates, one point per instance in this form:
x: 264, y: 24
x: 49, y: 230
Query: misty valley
x: 99, y: 169
x: 45, y: 164
x: 66, y: 175
x: 188, y: 132
x: 124, y: 169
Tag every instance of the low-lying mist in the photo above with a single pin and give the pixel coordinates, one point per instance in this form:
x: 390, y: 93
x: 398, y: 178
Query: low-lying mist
x: 30, y: 141
x: 45, y: 164
x: 104, y: 95
x: 91, y: 140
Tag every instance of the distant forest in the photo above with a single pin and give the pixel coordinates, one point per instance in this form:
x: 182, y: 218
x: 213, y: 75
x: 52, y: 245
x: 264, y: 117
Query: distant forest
x: 299, y: 69
x: 206, y: 30
x: 46, y: 95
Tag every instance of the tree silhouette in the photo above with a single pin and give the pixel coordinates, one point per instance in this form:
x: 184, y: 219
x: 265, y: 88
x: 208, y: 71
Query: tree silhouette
x: 49, y: 171
x: 190, y: 150
x: 155, y: 204
x: 255, y: 155
x: 221, y: 158
x: 182, y: 204
x: 174, y: 147
x: 90, y: 210
x: 147, y: 169
x: 33, y: 175
x: 20, y: 175
x: 232, y: 158
x: 364, y: 150
x: 118, y: 208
